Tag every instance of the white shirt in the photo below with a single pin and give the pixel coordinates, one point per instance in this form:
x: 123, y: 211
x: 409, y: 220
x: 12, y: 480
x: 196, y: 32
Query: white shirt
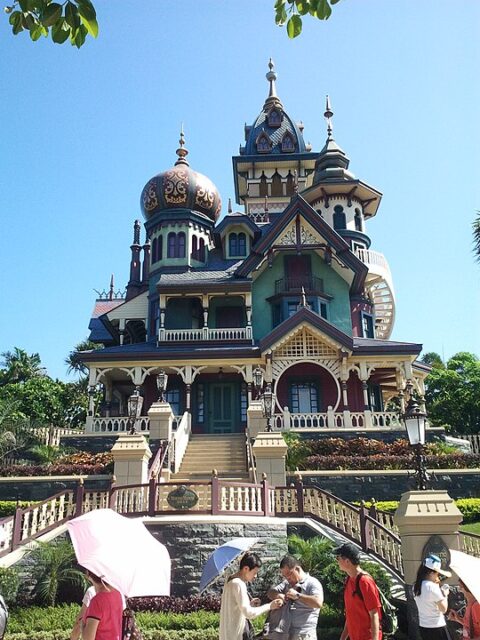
x: 235, y: 609
x: 429, y: 615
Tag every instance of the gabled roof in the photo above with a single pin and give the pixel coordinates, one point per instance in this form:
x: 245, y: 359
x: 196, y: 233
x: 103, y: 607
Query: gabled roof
x: 305, y: 316
x: 299, y: 207
x: 234, y: 219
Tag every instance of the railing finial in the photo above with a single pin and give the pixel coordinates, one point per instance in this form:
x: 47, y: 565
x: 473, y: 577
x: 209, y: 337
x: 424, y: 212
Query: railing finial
x: 215, y: 473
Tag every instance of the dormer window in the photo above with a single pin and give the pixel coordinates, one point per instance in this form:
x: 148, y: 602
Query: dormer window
x: 237, y: 245
x: 264, y: 144
x: 274, y: 117
x: 288, y: 143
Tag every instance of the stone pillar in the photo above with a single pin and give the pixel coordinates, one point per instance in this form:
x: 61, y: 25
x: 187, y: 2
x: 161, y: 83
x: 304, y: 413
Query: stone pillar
x: 161, y: 417
x: 427, y: 522
x: 131, y: 454
x: 255, y: 420
x: 270, y: 450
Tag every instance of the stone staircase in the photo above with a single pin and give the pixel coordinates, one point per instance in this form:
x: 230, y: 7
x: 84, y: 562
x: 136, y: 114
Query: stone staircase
x: 223, y: 452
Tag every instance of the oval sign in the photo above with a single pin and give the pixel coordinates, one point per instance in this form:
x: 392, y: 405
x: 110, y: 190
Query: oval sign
x: 182, y: 498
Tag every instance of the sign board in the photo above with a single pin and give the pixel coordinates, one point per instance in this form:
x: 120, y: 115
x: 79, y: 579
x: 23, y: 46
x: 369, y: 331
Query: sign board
x: 182, y: 498
x: 437, y: 546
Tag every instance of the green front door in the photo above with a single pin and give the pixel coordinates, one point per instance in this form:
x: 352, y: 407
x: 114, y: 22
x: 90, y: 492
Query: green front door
x: 223, y: 407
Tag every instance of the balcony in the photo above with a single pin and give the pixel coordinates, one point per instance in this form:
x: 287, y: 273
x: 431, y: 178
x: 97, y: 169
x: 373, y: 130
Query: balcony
x: 310, y: 284
x: 336, y: 420
x: 206, y: 334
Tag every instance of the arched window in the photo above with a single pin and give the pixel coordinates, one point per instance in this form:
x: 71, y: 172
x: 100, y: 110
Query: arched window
x: 288, y: 143
x: 264, y: 144
x: 232, y: 244
x: 154, y: 250
x: 263, y: 185
x: 274, y: 118
x: 194, y: 253
x: 172, y: 245
x: 181, y: 245
x: 290, y: 184
x: 339, y: 218
x: 201, y: 250
x: 160, y: 248
x: 277, y: 187
x: 242, y: 244
x: 358, y: 220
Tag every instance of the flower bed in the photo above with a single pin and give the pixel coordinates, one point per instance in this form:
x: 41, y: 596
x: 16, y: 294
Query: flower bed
x: 54, y: 470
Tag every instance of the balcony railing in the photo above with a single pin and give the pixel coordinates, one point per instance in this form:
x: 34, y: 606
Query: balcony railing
x: 119, y: 424
x: 309, y: 283
x: 206, y: 333
x: 336, y: 420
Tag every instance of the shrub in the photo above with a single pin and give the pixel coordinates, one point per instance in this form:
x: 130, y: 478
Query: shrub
x: 176, y: 605
x: 389, y: 462
x: 179, y: 621
x: 9, y: 584
x: 8, y: 507
x: 470, y: 508
x: 39, y: 619
x: 53, y: 470
x: 156, y: 634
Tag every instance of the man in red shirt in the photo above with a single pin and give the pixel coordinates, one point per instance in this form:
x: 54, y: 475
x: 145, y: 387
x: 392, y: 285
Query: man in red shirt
x: 362, y: 601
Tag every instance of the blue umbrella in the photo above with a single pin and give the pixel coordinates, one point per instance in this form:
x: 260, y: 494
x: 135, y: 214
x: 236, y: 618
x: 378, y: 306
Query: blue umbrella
x: 222, y: 557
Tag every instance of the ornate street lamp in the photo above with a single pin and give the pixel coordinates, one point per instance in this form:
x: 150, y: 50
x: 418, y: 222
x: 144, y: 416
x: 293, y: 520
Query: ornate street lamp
x: 414, y: 419
x: 267, y: 405
x: 162, y: 380
x: 257, y: 380
x: 135, y: 402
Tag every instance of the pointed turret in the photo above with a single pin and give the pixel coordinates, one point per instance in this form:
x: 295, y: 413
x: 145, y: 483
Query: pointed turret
x: 332, y: 163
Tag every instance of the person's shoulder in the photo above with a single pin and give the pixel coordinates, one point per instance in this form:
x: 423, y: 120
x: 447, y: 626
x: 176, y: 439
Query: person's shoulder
x: 313, y: 581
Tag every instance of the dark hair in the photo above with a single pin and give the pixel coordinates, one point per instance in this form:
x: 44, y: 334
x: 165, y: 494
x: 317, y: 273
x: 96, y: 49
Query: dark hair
x: 289, y: 562
x: 422, y: 573
x: 250, y: 560
x: 349, y: 552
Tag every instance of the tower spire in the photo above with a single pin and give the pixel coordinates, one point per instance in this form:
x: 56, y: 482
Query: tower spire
x: 328, y: 116
x: 182, y: 152
x: 273, y: 99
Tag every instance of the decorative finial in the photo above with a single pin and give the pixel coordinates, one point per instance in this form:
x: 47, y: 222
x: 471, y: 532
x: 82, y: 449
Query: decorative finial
x: 303, y: 301
x: 266, y: 204
x: 229, y: 205
x: 328, y: 115
x: 136, y: 232
x: 271, y: 76
x: 295, y: 182
x: 110, y: 293
x: 182, y: 152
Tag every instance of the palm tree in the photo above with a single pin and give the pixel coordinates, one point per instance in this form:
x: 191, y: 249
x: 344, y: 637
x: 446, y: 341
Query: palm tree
x: 73, y: 364
x: 18, y: 366
x: 54, y: 570
x: 476, y: 237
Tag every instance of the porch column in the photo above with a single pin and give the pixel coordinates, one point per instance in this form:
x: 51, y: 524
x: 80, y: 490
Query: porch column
x: 121, y: 329
x: 91, y: 409
x: 347, y: 420
x: 108, y: 396
x: 188, y: 388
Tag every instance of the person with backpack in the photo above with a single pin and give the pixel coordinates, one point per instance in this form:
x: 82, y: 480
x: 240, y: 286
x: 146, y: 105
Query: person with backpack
x: 432, y: 599
x: 363, y: 607
x: 470, y: 620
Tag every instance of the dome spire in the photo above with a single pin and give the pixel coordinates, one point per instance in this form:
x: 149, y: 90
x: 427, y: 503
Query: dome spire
x: 328, y: 116
x: 273, y: 99
x: 182, y: 152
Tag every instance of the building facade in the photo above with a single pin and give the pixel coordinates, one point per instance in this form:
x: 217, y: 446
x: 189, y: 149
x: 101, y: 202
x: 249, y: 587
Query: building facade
x: 289, y: 285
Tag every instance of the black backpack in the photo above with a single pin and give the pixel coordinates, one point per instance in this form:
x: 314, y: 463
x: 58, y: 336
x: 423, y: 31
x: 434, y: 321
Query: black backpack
x: 389, y: 618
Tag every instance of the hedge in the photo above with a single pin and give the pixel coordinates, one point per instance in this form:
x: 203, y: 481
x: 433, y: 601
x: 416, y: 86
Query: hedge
x: 25, y: 470
x: 469, y: 507
x: 155, y: 634
x: 8, y: 507
x: 388, y: 462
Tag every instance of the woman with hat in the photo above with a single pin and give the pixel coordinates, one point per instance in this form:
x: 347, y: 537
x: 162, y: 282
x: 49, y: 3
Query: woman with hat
x: 432, y: 599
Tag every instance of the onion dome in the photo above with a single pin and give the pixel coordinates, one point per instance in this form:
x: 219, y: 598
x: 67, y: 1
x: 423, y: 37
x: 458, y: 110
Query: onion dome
x: 273, y: 132
x: 181, y: 188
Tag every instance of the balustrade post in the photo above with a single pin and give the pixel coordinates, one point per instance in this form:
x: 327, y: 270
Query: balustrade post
x: 300, y: 500
x: 266, y: 497
x: 364, y: 533
x: 330, y: 418
x: 111, y: 493
x: 79, y: 495
x: 215, y: 496
x: 152, y: 496
x: 373, y: 510
x: 17, y: 528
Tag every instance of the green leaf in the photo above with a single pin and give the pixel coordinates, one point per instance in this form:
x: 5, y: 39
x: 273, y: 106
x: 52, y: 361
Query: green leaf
x: 71, y: 15
x: 281, y: 17
x: 334, y: 1
x: 279, y: 4
x: 303, y: 6
x: 26, y: 5
x: 14, y: 18
x: 36, y: 32
x: 60, y: 31
x: 79, y: 37
x: 88, y: 17
x: 324, y: 10
x: 294, y: 26
x: 52, y: 13
x: 313, y: 8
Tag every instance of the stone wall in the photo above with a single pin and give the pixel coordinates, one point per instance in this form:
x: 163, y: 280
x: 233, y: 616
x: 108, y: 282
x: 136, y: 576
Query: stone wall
x: 91, y: 443
x: 190, y: 545
x: 389, y: 485
x: 37, y: 489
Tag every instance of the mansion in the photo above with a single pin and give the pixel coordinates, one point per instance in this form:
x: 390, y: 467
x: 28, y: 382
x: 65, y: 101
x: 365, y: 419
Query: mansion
x: 288, y: 285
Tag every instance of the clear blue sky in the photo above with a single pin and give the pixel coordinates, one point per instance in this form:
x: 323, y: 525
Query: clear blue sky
x: 82, y: 131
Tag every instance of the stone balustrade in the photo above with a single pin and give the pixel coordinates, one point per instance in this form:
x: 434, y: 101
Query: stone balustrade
x: 205, y: 333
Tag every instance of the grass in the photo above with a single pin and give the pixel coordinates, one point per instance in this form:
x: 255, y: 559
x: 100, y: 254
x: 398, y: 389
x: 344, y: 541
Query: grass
x: 474, y: 527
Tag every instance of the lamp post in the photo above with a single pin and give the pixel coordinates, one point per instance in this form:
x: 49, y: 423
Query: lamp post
x: 267, y: 405
x: 135, y: 402
x: 162, y: 380
x: 414, y: 419
x: 257, y: 380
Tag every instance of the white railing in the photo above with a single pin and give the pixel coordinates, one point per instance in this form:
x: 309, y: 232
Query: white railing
x: 372, y: 257
x: 335, y: 420
x: 195, y: 335
x: 119, y: 424
x: 51, y: 435
x: 180, y: 441
x: 473, y: 439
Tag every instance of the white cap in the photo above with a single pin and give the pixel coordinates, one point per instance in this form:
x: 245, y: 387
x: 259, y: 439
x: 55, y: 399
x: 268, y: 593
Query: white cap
x: 434, y: 563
